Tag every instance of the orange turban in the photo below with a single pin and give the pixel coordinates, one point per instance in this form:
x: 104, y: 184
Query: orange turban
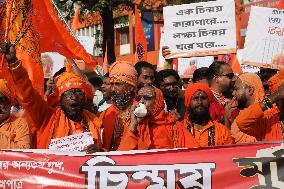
x: 193, y: 88
x: 67, y: 81
x: 124, y: 71
x: 275, y: 81
x: 253, y: 80
x: 4, y: 89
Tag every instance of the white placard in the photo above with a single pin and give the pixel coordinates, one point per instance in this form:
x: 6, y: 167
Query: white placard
x: 265, y: 38
x: 72, y: 143
x: 88, y: 43
x: 186, y: 66
x: 51, y: 63
x: 200, y: 29
x: 160, y: 65
x: 246, y: 68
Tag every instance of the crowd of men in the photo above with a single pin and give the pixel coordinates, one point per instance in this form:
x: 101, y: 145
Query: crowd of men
x: 216, y: 107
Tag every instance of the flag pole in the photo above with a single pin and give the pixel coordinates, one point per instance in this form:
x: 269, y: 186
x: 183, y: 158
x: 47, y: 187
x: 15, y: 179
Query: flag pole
x: 63, y: 19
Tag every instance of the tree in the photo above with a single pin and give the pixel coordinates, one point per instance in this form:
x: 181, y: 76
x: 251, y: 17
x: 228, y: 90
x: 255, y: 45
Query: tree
x: 106, y: 8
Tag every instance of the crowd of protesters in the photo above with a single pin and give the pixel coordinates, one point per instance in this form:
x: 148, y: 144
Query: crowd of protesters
x: 141, y: 108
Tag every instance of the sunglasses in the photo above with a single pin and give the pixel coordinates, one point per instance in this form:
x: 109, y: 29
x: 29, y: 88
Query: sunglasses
x: 145, y: 97
x: 229, y: 75
x: 75, y: 92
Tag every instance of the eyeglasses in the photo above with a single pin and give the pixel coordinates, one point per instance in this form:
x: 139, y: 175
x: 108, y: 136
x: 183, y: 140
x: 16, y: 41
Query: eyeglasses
x: 77, y: 92
x: 229, y: 75
x: 145, y: 97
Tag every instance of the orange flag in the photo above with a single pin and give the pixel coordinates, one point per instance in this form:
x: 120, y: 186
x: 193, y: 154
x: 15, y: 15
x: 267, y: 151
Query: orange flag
x: 54, y: 36
x: 280, y: 5
x: 140, y: 39
x: 236, y: 67
x: 105, y: 63
x: 20, y: 32
x: 76, y: 20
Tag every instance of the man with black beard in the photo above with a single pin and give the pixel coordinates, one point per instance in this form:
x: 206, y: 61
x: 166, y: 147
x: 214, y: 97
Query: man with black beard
x: 123, y: 80
x: 198, y: 97
x: 54, y: 122
x: 169, y: 82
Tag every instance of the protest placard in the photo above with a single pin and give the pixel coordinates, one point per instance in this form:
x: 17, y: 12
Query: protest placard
x: 264, y: 45
x: 186, y: 66
x: 88, y: 43
x: 200, y: 29
x: 51, y: 63
x: 72, y: 143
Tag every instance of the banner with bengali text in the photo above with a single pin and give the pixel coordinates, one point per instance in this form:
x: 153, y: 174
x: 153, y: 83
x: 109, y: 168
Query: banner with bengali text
x: 258, y: 165
x: 264, y: 45
x: 200, y: 29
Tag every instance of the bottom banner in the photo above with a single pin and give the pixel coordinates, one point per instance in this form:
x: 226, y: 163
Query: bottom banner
x: 254, y: 166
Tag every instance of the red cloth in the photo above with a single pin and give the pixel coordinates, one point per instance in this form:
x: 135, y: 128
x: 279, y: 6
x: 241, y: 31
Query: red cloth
x: 216, y: 111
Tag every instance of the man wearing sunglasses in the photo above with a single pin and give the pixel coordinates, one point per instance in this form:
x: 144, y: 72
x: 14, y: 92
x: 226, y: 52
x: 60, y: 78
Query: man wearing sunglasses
x: 14, y: 132
x: 66, y: 119
x: 156, y: 130
x: 221, y: 80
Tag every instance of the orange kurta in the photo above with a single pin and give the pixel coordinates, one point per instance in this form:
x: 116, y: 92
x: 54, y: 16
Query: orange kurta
x: 222, y: 134
x: 15, y: 133
x: 50, y: 122
x: 108, y: 122
x: 254, y: 81
x: 259, y: 124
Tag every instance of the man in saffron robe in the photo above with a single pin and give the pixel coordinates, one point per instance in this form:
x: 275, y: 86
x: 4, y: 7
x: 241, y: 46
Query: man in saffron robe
x: 14, y: 131
x: 68, y: 118
x: 248, y: 90
x: 123, y: 79
x: 158, y: 129
x: 198, y: 121
x: 264, y: 120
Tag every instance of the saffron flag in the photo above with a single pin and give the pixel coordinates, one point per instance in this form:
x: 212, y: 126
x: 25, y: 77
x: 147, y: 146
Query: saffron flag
x: 105, y: 63
x: 19, y: 30
x: 232, y: 58
x: 236, y: 67
x: 54, y: 36
x: 75, y: 23
x: 140, y: 39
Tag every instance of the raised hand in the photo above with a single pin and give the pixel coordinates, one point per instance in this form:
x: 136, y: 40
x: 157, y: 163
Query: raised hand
x: 10, y: 53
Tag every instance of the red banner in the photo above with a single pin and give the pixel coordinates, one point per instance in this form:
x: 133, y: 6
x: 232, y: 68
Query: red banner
x: 234, y: 167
